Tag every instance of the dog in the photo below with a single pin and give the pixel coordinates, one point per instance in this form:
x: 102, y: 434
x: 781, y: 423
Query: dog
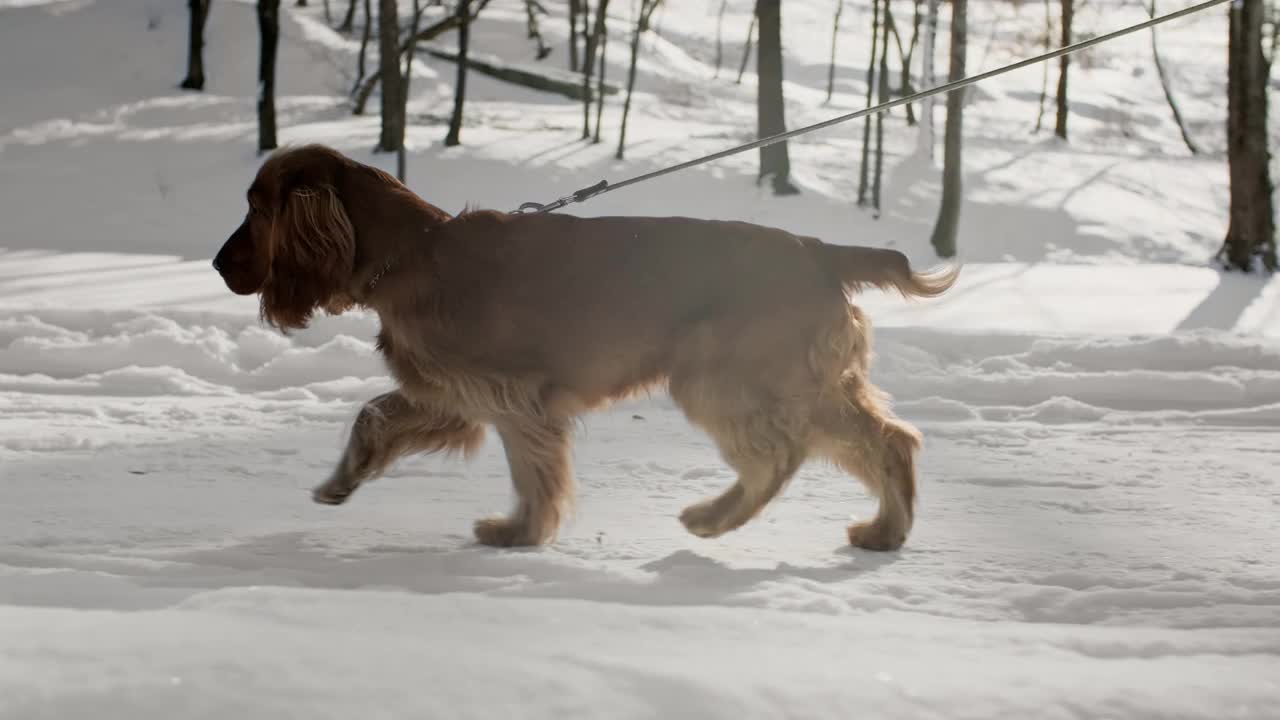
x: 524, y: 322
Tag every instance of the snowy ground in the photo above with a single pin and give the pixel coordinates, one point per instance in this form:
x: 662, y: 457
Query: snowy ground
x: 1096, y: 536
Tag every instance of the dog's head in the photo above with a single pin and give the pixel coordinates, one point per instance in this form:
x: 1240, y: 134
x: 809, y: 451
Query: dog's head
x: 296, y: 247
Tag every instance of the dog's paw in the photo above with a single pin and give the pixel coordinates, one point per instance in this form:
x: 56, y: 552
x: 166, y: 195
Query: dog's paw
x: 702, y: 520
x: 875, y: 536
x: 332, y: 493
x: 500, y: 531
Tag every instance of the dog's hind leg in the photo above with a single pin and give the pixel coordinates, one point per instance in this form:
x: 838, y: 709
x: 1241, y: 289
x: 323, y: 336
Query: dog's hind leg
x: 863, y: 438
x: 537, y: 452
x: 762, y: 441
x: 387, y: 428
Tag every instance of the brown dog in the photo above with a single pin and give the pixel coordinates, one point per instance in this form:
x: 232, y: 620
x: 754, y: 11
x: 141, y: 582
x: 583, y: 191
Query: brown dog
x: 526, y: 321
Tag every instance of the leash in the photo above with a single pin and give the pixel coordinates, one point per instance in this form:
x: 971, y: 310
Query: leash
x: 603, y: 186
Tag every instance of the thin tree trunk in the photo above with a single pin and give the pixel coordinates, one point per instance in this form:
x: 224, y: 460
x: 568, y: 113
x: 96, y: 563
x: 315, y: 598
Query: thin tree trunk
x: 364, y: 51
x: 1168, y: 92
x: 905, y: 82
x: 348, y: 20
x: 402, y: 161
x: 926, y: 136
x: 719, y: 35
x: 1044, y: 77
x: 831, y: 67
x: 531, y: 9
x: 945, y: 229
x: 746, y: 48
x: 1251, y: 232
x: 642, y: 24
x: 574, y: 11
x: 866, y: 123
x: 269, y: 36
x: 604, y: 52
x: 588, y: 63
x: 1064, y: 64
x: 199, y: 13
x: 460, y: 91
x: 771, y: 116
x: 883, y: 88
x: 392, y: 135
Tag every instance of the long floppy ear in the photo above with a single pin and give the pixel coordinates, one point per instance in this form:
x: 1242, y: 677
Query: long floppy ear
x: 313, y: 257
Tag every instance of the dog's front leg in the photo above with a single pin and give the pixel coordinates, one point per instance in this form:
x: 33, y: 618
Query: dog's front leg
x: 537, y: 452
x: 387, y: 428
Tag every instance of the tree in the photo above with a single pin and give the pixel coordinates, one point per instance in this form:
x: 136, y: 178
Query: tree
x: 746, y: 46
x: 1251, y: 232
x: 771, y: 116
x: 642, y: 24
x: 460, y: 88
x: 448, y: 23
x: 881, y: 97
x: 927, y: 77
x: 575, y: 9
x: 199, y: 13
x: 402, y: 170
x: 831, y: 67
x: 1168, y: 92
x: 1044, y: 74
x: 364, y: 51
x: 532, y: 8
x: 392, y: 135
x: 719, y: 35
x: 594, y: 39
x: 269, y: 34
x: 866, y: 123
x: 1064, y: 64
x: 944, y: 230
x: 348, y: 20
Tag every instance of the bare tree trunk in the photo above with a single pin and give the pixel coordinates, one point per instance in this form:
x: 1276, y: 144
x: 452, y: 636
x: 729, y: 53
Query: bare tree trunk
x: 926, y: 135
x: 348, y: 20
x: 460, y: 91
x: 1251, y: 232
x: 866, y: 123
x: 531, y: 9
x: 402, y: 170
x: 269, y: 36
x: 588, y: 63
x: 1064, y: 64
x: 1168, y: 92
x: 392, y: 135
x: 719, y: 35
x: 642, y: 24
x: 771, y: 115
x: 574, y: 11
x: 604, y: 52
x: 1044, y: 77
x: 944, y: 230
x: 431, y: 32
x: 199, y: 13
x: 903, y: 59
x: 360, y: 62
x: 883, y: 88
x: 831, y: 67
x: 746, y: 47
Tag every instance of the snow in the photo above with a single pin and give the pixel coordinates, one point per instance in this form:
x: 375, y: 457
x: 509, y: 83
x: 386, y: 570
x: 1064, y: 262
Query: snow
x: 1096, y: 535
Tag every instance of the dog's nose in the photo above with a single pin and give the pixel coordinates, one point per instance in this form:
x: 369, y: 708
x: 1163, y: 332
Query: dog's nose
x: 216, y: 266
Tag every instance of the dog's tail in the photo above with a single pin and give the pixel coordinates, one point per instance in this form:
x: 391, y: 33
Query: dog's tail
x: 857, y: 267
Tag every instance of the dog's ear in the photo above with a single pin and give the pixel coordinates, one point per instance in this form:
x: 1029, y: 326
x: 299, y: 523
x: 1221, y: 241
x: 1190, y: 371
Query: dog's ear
x: 313, y: 256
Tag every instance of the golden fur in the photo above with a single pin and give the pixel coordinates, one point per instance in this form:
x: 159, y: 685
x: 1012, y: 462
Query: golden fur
x: 524, y: 322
